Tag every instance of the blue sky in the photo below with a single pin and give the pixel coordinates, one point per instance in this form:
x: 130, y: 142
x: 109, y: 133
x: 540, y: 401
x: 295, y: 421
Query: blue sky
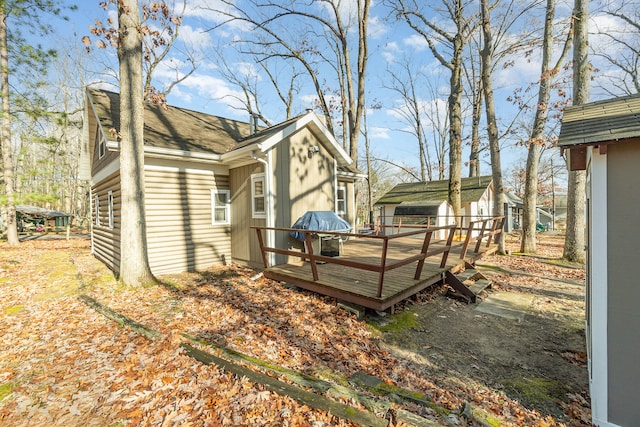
x: 390, y: 41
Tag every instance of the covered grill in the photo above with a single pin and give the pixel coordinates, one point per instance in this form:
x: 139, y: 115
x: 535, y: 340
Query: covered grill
x: 325, y: 222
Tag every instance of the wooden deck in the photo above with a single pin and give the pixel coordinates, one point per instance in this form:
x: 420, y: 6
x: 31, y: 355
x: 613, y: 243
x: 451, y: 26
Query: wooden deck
x: 379, y: 271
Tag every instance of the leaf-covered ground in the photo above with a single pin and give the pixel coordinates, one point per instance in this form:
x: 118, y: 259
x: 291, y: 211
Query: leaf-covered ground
x: 63, y: 364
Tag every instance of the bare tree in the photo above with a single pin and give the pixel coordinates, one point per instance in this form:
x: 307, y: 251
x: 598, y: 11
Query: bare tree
x: 411, y: 111
x: 486, y: 55
x: 445, y: 38
x: 507, y: 44
x: 622, y: 50
x: 7, y: 158
x: 160, y: 43
x: 161, y: 27
x: 27, y: 64
x: 272, y: 40
x: 537, y: 138
x: 134, y: 260
x: 249, y: 98
x: 574, y: 244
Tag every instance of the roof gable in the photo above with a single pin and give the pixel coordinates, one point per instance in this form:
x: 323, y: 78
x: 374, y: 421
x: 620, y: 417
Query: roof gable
x: 267, y: 138
x: 183, y: 132
x: 471, y: 190
x: 601, y: 121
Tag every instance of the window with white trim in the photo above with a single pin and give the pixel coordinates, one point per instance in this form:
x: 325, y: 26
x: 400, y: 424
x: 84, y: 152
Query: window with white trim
x: 341, y: 201
x: 96, y: 207
x: 258, y: 196
x: 220, y: 207
x: 110, y: 207
x: 102, y: 145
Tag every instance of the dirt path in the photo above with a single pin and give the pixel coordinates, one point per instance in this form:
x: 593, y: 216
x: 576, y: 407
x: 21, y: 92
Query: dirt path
x: 533, y: 351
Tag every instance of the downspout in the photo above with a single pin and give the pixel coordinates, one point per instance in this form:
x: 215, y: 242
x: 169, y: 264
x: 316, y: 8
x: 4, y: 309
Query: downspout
x: 268, y: 181
x: 335, y: 186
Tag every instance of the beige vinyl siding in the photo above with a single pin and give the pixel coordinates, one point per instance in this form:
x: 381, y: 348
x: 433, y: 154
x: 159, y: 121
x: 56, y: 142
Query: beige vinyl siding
x: 180, y: 234
x: 109, y: 156
x: 106, y: 241
x: 244, y: 245
x: 302, y: 184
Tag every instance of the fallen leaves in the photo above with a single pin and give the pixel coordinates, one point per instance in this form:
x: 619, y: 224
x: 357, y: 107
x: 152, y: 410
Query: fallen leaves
x: 67, y: 365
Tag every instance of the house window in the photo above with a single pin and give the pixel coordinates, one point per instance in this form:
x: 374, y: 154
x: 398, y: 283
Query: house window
x: 102, y: 145
x: 341, y: 201
x: 110, y: 207
x: 258, y: 196
x: 220, y: 207
x: 96, y: 204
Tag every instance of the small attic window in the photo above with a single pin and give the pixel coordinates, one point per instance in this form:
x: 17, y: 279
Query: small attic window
x: 102, y: 145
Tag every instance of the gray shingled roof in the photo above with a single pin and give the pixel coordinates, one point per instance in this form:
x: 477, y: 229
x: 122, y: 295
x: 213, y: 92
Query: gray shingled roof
x: 187, y: 130
x: 174, y: 128
x: 601, y: 121
x: 472, y: 190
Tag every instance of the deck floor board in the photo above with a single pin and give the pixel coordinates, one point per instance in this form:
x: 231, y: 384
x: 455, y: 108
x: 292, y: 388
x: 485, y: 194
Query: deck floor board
x: 361, y: 286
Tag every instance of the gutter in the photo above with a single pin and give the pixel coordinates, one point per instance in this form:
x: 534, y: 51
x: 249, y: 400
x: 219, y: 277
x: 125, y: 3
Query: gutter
x: 268, y: 180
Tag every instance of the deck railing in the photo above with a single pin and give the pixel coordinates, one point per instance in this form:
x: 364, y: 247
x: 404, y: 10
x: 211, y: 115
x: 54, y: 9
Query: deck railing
x: 397, y: 223
x: 381, y: 267
x: 486, y: 228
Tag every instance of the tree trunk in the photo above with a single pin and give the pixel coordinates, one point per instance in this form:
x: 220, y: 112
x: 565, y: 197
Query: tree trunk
x: 574, y: 243
x: 529, y: 201
x: 134, y: 263
x: 355, y: 117
x: 455, y: 129
x: 7, y: 157
x: 528, y: 243
x: 474, y: 156
x: 492, y: 128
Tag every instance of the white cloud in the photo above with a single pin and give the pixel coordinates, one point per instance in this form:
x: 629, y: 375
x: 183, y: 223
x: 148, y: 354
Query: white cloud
x: 376, y: 27
x: 379, y: 133
x: 603, y: 27
x: 205, y: 87
x: 248, y: 69
x: 436, y: 109
x: 523, y: 71
x: 196, y: 37
x: 216, y: 12
x: 416, y: 41
x: 389, y: 51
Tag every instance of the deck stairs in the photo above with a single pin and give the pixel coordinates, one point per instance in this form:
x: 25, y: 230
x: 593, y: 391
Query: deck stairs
x: 466, y: 284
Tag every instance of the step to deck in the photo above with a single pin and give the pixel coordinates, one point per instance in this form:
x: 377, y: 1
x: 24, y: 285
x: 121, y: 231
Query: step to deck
x: 467, y: 284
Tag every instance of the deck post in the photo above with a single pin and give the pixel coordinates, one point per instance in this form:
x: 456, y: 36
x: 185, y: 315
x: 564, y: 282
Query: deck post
x: 481, y: 235
x: 383, y: 262
x: 445, y: 254
x: 465, y: 246
x: 425, y: 249
x: 312, y: 258
x: 496, y: 229
x: 265, y: 260
x: 493, y: 231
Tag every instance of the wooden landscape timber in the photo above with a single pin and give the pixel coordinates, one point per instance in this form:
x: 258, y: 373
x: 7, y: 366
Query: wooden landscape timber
x: 323, y: 394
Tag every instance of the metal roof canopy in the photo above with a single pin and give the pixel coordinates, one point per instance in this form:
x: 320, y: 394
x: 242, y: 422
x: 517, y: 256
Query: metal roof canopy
x: 35, y: 211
